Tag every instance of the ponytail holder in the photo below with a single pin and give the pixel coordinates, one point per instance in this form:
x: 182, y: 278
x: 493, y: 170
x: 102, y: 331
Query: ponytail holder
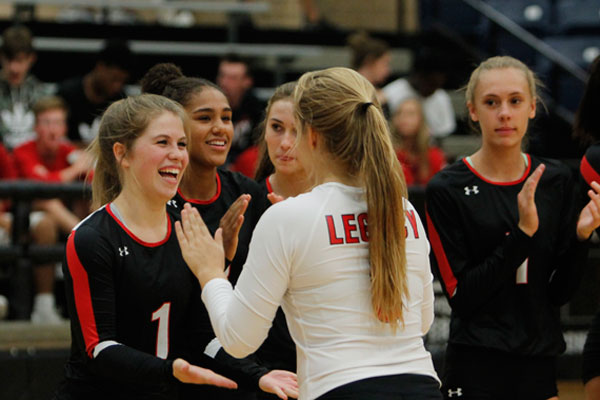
x: 365, y: 106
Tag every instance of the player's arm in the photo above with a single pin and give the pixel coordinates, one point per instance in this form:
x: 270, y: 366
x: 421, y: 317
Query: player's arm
x: 572, y: 253
x: 468, y: 285
x: 240, y: 319
x: 91, y: 289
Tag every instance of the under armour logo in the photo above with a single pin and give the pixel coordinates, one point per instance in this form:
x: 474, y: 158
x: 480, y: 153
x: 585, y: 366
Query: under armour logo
x: 473, y: 189
x: 172, y: 203
x: 458, y: 391
x: 123, y: 251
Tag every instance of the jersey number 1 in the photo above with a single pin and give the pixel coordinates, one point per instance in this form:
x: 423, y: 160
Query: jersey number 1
x: 162, y: 337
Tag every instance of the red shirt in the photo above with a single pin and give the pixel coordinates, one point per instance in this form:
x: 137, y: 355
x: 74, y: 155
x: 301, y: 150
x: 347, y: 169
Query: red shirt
x: 410, y: 167
x: 31, y: 166
x: 246, y: 162
x: 7, y: 165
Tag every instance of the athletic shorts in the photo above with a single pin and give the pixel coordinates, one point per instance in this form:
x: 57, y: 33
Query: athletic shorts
x: 591, y: 351
x: 392, y: 387
x: 483, y: 374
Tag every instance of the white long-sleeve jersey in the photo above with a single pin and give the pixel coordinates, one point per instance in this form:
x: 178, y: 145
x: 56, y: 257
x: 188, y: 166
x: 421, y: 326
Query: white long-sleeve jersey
x: 310, y: 254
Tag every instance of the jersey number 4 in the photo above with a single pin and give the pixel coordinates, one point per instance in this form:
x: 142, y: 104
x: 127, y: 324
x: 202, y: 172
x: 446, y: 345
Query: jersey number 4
x: 162, y: 337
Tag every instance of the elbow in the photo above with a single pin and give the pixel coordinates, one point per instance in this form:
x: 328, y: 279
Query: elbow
x: 237, y: 350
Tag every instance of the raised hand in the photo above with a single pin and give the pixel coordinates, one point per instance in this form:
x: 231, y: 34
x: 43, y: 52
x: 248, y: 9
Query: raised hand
x: 281, y: 383
x: 589, y: 219
x: 188, y: 373
x: 231, y: 223
x: 202, y: 253
x: 528, y: 216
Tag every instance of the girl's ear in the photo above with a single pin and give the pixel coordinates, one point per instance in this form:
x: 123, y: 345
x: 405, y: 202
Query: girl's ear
x: 472, y: 112
x: 533, y: 108
x: 119, y: 150
x: 313, y: 138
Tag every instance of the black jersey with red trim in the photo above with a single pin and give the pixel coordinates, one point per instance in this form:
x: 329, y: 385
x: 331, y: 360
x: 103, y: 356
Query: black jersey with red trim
x: 230, y: 186
x: 133, y: 306
x: 504, y: 287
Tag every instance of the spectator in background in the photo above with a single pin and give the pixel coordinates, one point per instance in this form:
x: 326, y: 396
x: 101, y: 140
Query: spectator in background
x: 88, y: 96
x: 235, y: 78
x: 420, y: 161
x: 426, y: 81
x: 371, y: 59
x: 50, y: 158
x: 18, y: 89
x: 7, y: 171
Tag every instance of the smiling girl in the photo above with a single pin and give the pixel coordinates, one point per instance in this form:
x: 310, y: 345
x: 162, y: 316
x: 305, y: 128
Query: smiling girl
x: 509, y: 246
x: 223, y: 198
x: 129, y: 292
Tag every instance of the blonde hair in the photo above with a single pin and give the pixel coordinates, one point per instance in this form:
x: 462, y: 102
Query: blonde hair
x: 124, y: 121
x: 341, y: 105
x: 264, y: 165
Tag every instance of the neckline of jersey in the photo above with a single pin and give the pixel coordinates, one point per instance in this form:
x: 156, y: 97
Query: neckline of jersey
x: 527, y: 158
x: 204, y: 202
x: 134, y: 237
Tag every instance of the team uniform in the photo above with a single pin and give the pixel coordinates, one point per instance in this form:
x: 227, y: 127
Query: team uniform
x: 590, y: 165
x: 505, y: 288
x: 230, y: 186
x: 134, y: 307
x: 278, y: 351
x: 309, y: 254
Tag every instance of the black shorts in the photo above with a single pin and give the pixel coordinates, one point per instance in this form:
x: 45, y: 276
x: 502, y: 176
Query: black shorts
x: 391, y: 387
x: 484, y: 374
x: 591, y: 351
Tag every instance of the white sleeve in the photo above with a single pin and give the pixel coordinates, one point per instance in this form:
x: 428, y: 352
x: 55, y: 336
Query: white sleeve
x: 439, y: 113
x: 427, y: 308
x: 241, y: 318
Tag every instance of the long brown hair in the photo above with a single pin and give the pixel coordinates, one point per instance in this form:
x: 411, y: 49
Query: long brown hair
x: 124, y: 121
x: 264, y: 165
x: 421, y: 140
x: 341, y: 105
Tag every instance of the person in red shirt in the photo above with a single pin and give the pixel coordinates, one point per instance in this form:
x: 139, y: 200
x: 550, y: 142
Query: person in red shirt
x: 420, y: 161
x: 50, y: 158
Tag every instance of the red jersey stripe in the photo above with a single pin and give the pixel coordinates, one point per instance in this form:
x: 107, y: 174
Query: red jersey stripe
x: 209, y: 201
x: 440, y: 255
x: 588, y: 172
x: 83, y: 297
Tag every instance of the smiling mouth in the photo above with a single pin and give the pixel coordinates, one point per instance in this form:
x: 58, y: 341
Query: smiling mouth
x: 169, y: 173
x: 216, y: 143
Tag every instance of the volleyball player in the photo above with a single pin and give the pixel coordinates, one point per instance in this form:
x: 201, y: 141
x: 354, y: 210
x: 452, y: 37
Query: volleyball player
x: 357, y: 300
x: 129, y: 293
x: 509, y: 246
x: 225, y: 199
x: 587, y: 128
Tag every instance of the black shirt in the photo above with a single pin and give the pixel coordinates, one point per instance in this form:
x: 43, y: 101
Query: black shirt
x: 504, y: 287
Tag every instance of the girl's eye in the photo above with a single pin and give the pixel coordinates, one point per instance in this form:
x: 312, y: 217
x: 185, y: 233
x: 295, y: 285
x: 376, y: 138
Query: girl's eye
x: 226, y: 118
x: 277, y: 127
x: 203, y: 118
x: 182, y: 144
x: 163, y: 141
x: 516, y: 101
x: 490, y: 102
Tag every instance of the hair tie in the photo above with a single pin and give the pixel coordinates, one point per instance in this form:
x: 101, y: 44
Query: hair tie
x: 364, y: 106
